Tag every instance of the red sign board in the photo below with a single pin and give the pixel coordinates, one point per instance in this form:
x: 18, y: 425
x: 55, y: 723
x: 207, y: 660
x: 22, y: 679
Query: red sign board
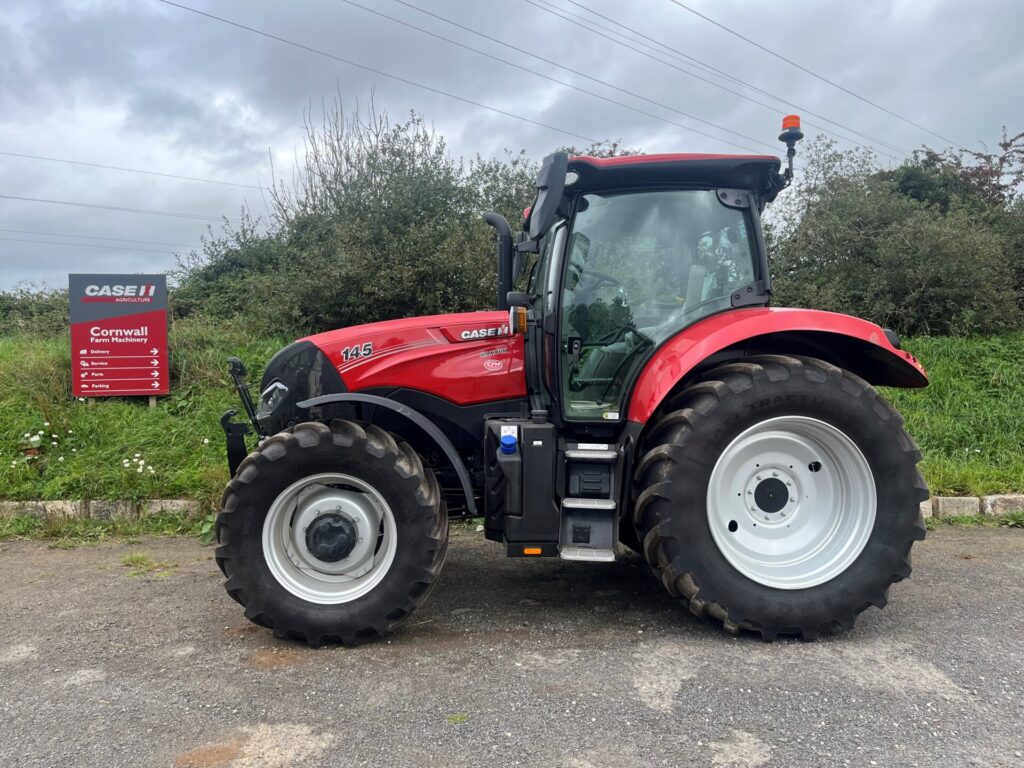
x: 119, y: 335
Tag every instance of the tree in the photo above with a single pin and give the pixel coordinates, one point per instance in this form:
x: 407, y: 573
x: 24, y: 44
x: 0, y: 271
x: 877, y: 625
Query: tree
x: 378, y: 221
x: 851, y: 239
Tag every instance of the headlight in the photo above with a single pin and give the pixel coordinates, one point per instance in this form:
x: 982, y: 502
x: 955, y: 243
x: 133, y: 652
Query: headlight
x: 271, y: 398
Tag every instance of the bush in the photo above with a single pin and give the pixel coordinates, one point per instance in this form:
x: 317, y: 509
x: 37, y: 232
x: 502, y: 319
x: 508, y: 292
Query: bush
x: 25, y: 310
x: 850, y: 239
x: 380, y: 223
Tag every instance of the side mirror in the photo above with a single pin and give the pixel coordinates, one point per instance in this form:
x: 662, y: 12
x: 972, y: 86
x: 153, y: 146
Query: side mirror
x: 550, y: 188
x: 517, y: 299
x: 518, y: 265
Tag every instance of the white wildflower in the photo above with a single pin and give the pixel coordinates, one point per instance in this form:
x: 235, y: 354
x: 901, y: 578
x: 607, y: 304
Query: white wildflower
x: 34, y: 439
x: 54, y: 436
x: 70, y: 432
x: 137, y: 455
x: 60, y: 458
x: 46, y: 423
x: 139, y: 469
x: 206, y: 441
x: 81, y: 399
x: 74, y: 450
x: 150, y: 470
x: 28, y: 435
x: 54, y: 442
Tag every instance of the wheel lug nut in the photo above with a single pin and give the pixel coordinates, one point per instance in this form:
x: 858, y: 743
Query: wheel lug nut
x: 758, y: 477
x: 775, y: 474
x: 792, y: 498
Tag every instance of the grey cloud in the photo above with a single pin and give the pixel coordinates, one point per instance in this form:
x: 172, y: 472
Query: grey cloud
x: 141, y: 84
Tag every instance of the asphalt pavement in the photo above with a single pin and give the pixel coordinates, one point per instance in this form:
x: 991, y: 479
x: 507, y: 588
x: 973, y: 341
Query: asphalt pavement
x: 510, y: 662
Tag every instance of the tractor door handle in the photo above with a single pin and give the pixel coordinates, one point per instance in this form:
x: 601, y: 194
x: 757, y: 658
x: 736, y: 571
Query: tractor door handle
x: 575, y: 347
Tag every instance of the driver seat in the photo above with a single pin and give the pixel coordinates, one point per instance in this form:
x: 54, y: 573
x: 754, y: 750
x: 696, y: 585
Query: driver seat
x: 694, y: 286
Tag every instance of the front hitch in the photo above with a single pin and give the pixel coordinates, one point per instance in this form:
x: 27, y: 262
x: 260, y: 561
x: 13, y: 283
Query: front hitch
x: 236, y: 370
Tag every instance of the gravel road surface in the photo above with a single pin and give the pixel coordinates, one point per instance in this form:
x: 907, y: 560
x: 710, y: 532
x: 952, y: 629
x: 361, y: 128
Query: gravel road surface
x: 511, y: 662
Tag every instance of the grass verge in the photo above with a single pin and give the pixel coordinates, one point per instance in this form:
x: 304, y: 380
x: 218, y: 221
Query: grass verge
x: 73, y: 532
x: 52, y: 446
x: 1013, y: 520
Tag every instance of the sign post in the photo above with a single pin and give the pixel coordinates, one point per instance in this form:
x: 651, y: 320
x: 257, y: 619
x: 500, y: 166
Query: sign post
x: 119, y: 335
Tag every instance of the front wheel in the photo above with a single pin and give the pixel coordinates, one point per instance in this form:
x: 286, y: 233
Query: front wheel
x: 779, y: 495
x: 331, y: 533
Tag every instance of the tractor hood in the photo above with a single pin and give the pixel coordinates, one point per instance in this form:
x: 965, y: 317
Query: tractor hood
x: 464, y: 358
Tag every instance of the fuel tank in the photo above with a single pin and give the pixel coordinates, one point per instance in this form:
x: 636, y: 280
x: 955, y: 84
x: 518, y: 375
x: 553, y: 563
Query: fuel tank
x: 464, y: 358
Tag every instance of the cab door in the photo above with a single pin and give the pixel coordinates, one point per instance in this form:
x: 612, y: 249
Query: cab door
x: 638, y: 267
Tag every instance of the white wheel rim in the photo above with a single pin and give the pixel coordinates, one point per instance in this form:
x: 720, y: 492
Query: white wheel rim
x: 811, y: 531
x: 288, y: 555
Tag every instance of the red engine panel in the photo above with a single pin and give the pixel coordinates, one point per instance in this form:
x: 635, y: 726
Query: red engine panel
x: 685, y: 351
x: 464, y: 358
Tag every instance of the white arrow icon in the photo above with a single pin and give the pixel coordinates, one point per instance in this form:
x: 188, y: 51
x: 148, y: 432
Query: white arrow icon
x: 154, y: 374
x: 155, y: 385
x: 154, y: 361
x: 154, y: 351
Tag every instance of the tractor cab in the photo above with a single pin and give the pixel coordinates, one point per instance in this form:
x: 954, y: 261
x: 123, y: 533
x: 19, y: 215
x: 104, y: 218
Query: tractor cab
x: 617, y: 256
x: 634, y: 250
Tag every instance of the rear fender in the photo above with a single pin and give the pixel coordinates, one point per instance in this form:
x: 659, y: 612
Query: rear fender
x: 856, y: 345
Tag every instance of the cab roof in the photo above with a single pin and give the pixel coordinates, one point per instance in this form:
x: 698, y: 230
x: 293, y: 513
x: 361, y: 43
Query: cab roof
x: 757, y: 173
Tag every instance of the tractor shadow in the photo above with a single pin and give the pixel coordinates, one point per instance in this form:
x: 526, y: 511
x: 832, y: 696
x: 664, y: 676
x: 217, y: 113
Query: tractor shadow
x: 483, y: 595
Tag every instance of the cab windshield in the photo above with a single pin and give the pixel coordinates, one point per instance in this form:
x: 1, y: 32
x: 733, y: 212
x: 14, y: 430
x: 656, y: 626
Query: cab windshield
x: 638, y: 268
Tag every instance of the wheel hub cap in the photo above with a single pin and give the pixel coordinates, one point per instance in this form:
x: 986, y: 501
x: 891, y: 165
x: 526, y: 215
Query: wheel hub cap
x: 791, y: 502
x: 331, y: 537
x: 771, y: 495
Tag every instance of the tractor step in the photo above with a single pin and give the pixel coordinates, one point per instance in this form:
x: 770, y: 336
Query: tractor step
x: 589, y: 554
x: 589, y: 530
x: 588, y: 504
x: 590, y: 455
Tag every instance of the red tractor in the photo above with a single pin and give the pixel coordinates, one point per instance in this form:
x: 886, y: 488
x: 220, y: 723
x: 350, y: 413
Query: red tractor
x: 636, y: 388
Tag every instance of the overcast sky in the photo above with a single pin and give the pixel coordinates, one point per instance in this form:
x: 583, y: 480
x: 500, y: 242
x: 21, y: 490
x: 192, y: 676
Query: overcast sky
x: 140, y: 84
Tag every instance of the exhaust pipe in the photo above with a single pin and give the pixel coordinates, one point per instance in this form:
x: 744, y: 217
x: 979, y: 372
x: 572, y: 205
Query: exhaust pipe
x: 505, y: 277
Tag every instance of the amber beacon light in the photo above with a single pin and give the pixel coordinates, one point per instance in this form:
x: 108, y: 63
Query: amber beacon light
x: 790, y: 135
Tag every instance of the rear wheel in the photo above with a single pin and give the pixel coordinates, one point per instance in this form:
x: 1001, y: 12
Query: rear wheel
x: 331, y: 533
x: 779, y: 495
